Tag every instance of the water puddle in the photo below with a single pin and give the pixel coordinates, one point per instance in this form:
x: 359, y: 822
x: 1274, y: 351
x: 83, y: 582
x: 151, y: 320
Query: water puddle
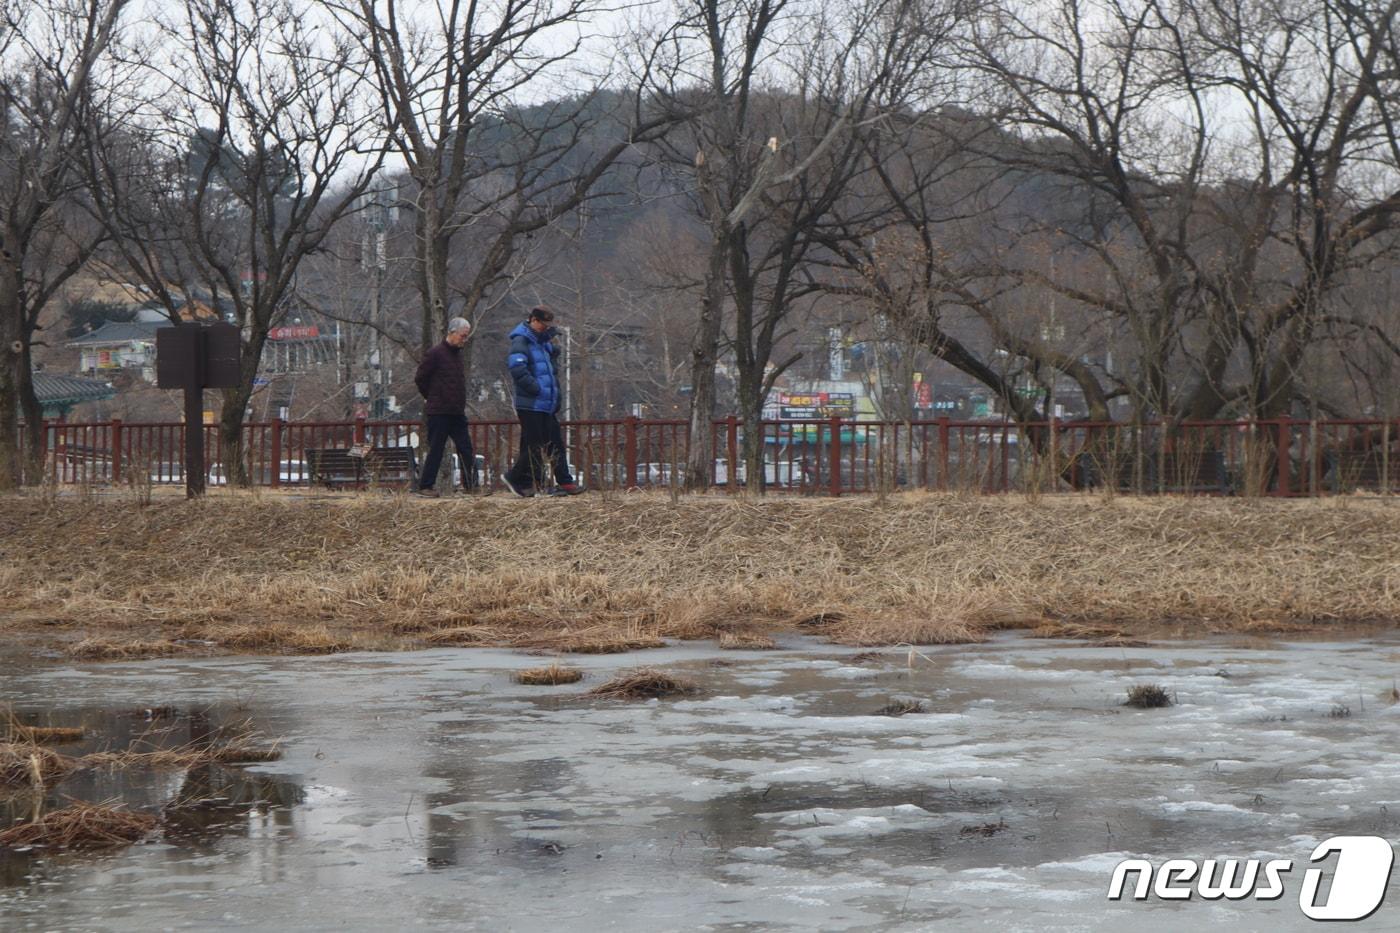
x: 776, y: 797
x: 149, y: 761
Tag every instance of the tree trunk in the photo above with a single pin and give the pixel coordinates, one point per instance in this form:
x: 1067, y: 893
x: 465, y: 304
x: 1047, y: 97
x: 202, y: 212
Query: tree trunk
x: 751, y: 410
x: 10, y: 472
x: 11, y: 359
x: 33, y: 461
x: 231, y: 435
x: 231, y: 412
x: 704, y: 355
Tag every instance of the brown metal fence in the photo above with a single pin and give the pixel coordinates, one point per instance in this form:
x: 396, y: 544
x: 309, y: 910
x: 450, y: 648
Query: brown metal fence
x: 825, y: 457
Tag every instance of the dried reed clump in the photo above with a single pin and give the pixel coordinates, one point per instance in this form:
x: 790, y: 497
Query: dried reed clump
x: 750, y: 641
x: 902, y: 708
x: 1077, y: 630
x: 472, y: 635
x: 103, y: 649
x: 81, y: 826
x: 293, y: 639
x: 920, y: 568
x: 244, y: 754
x: 14, y: 731
x: 549, y: 676
x: 1148, y: 696
x: 601, y: 643
x: 28, y: 765
x: 232, y: 743
x: 895, y: 629
x: 643, y: 684
x: 174, y: 759
x: 985, y: 829
x: 47, y: 735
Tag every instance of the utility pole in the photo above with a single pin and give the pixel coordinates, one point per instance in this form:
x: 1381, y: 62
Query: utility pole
x: 568, y: 372
x: 374, y: 257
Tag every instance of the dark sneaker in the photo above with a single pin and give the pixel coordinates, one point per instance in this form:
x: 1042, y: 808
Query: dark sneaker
x: 568, y: 489
x: 428, y: 492
x: 523, y: 492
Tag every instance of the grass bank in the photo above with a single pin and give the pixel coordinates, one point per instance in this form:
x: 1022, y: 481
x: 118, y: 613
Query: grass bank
x: 113, y: 578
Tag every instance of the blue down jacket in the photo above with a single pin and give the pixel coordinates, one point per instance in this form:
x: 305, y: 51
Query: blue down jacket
x: 531, y: 362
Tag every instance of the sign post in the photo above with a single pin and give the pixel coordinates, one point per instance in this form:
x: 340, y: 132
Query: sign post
x: 193, y: 357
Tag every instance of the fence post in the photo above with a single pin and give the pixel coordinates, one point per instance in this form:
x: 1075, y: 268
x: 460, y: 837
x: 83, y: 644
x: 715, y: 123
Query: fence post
x: 836, y: 456
x: 731, y: 427
x: 1285, y: 464
x: 1385, y: 458
x: 359, y: 429
x: 944, y: 438
x: 116, y: 450
x: 59, y: 470
x: 629, y: 476
x: 276, y: 479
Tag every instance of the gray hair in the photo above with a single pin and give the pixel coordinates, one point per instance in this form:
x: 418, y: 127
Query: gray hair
x: 458, y: 323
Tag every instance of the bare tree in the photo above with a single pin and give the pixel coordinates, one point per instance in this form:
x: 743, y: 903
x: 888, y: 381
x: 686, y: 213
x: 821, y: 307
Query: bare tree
x: 50, y: 63
x: 475, y: 100
x: 1224, y: 158
x: 766, y: 168
x: 261, y: 144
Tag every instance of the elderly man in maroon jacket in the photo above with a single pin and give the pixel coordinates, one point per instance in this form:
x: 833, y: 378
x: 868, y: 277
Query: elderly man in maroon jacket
x: 444, y: 389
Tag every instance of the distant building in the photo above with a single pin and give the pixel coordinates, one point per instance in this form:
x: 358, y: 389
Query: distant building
x: 116, y: 346
x: 297, y: 349
x: 58, y: 394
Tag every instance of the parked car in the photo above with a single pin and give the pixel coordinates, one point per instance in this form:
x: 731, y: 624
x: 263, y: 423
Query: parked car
x: 484, y: 474
x: 292, y: 473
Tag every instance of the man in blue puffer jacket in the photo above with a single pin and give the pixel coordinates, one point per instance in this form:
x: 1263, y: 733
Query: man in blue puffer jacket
x: 537, y: 397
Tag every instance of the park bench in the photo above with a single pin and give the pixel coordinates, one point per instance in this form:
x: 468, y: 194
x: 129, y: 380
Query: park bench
x: 1196, y: 472
x: 1351, y: 470
x: 383, y: 466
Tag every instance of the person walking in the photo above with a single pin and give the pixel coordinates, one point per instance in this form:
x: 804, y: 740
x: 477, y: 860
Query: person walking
x: 443, y: 385
x: 532, y: 358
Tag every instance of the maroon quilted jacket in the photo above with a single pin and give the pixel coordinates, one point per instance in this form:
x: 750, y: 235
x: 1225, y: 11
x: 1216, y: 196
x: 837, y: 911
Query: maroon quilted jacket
x: 440, y: 380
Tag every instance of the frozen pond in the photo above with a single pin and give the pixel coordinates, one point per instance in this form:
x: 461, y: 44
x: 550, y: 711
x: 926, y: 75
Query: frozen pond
x: 428, y: 790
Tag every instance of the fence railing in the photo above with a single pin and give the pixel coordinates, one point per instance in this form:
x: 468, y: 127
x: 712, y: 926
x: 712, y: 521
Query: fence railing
x: 824, y: 456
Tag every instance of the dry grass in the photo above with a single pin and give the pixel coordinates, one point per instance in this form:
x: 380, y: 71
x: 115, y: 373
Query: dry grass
x: 231, y: 743
x: 25, y: 765
x: 551, y: 676
x: 901, y: 708
x: 104, y: 649
x: 746, y: 641
x: 1077, y: 630
x: 46, y: 735
x: 363, y: 572
x: 292, y: 639
x: 15, y: 732
x: 174, y: 759
x: 985, y: 829
x: 1148, y: 696
x: 643, y: 684
x: 599, y: 643
x: 81, y: 826
x: 244, y: 754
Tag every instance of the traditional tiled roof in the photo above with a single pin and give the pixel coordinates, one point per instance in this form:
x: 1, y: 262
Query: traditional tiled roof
x: 114, y: 332
x: 56, y: 389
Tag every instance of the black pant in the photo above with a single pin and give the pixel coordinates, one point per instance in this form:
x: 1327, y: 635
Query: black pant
x: 541, y: 446
x: 440, y: 428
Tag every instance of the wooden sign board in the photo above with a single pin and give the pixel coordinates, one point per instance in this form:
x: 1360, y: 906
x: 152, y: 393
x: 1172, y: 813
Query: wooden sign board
x: 194, y: 356
x: 177, y: 353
